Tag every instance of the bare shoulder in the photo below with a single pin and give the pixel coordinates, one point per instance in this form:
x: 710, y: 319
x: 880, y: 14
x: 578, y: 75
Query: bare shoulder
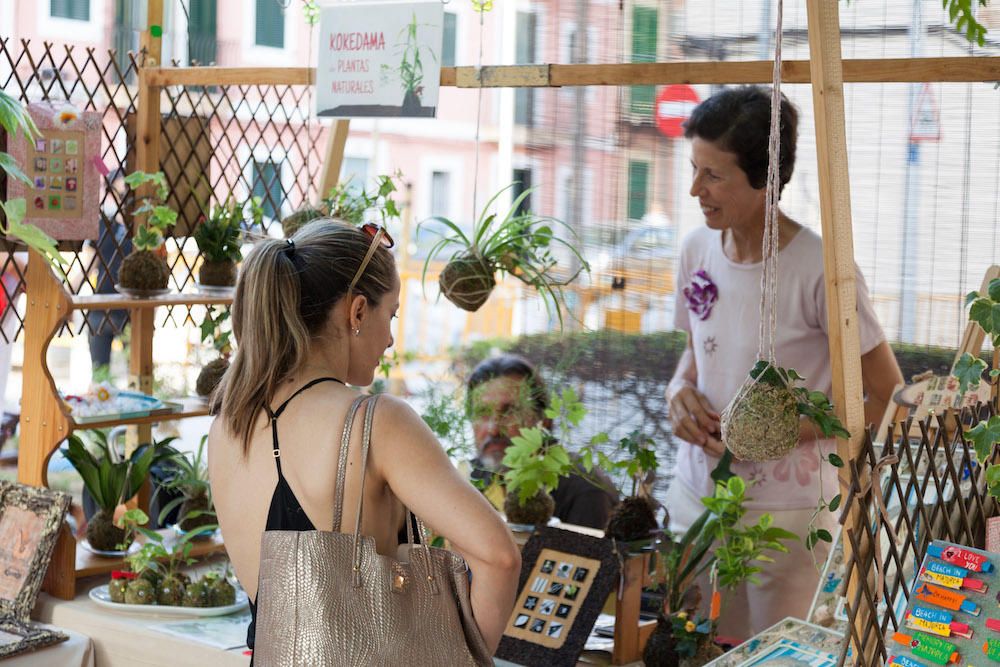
x: 393, y: 413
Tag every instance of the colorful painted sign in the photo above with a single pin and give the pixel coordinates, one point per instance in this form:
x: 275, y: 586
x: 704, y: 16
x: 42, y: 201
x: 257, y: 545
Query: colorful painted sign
x: 63, y: 165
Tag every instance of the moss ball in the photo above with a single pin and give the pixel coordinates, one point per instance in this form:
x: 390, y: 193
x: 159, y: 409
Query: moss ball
x: 144, y: 270
x: 140, y: 591
x: 536, y: 511
x: 632, y: 519
x: 210, y: 376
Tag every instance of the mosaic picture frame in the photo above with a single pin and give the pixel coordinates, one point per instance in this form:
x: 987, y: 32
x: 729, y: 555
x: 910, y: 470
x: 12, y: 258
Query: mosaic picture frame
x: 566, y: 577
x: 30, y: 519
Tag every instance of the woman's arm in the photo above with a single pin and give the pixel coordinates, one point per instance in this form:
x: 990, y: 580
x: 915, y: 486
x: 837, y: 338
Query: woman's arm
x: 692, y: 417
x: 414, y: 465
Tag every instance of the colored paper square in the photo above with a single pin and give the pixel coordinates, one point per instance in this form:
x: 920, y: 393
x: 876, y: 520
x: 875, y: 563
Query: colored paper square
x: 69, y: 203
x: 57, y: 146
x: 56, y: 182
x: 55, y: 202
x: 39, y: 182
x: 56, y: 165
x: 72, y: 165
x: 41, y: 164
x: 70, y: 184
x: 72, y: 147
x: 40, y: 145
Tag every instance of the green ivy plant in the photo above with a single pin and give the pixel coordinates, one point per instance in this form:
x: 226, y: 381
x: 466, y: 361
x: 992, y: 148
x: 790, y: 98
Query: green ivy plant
x: 16, y: 120
x: 984, y: 309
x: 219, y: 235
x: 351, y: 204
x: 212, y: 330
x: 160, y: 217
x: 962, y: 15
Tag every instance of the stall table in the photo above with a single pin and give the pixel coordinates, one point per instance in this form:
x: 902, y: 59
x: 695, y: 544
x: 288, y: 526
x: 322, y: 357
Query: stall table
x: 122, y: 640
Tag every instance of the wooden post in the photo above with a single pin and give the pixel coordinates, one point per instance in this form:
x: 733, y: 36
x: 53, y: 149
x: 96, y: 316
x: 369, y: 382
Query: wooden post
x: 630, y: 634
x: 335, y: 142
x: 147, y: 153
x: 838, y: 253
x: 43, y: 424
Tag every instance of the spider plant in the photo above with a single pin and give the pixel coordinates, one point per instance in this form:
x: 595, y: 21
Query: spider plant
x: 518, y: 243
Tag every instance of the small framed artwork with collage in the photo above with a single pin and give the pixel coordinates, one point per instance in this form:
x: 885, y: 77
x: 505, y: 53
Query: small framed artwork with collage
x: 565, y: 579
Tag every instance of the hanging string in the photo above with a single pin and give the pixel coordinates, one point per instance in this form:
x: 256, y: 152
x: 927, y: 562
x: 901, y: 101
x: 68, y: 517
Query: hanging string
x: 769, y: 275
x: 479, y: 115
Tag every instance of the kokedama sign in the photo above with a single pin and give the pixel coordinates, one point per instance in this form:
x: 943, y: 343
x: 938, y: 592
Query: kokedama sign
x: 379, y: 59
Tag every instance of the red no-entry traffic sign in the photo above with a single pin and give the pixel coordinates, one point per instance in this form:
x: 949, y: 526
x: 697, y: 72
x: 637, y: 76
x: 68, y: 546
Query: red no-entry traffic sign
x: 673, y: 106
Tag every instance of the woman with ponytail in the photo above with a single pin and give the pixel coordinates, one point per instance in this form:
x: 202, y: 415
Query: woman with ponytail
x: 311, y: 316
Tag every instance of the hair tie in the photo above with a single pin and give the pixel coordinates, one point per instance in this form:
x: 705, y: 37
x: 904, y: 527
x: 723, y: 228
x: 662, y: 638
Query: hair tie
x: 290, y: 248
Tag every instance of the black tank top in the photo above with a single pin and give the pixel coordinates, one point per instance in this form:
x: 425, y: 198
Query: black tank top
x: 286, y: 511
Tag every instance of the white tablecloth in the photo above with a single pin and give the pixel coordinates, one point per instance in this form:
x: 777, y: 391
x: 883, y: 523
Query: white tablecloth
x: 125, y: 640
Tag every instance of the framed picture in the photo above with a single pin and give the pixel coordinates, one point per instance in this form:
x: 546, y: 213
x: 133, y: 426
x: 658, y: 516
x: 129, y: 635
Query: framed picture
x: 70, y: 143
x: 30, y: 518
x: 566, y: 578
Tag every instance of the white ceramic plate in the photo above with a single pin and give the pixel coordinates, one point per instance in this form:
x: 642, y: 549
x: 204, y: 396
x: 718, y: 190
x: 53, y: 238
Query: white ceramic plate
x: 132, y: 548
x: 215, y: 290
x: 102, y: 598
x: 141, y: 293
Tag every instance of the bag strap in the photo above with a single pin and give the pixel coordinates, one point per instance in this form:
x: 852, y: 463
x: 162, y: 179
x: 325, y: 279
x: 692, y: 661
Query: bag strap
x: 365, y: 446
x: 345, y: 444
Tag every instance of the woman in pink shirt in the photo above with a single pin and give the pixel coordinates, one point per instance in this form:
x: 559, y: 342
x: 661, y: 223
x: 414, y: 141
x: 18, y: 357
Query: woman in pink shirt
x: 718, y: 302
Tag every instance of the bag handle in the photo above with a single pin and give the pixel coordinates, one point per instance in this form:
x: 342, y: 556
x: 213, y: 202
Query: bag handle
x: 345, y: 443
x: 365, y: 444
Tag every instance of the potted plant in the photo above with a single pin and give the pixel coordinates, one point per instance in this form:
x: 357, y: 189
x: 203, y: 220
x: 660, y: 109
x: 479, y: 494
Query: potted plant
x: 984, y: 309
x: 719, y: 542
x: 111, y: 480
x: 634, y: 518
x: 197, y: 514
x: 212, y: 372
x: 762, y: 420
x: 347, y: 203
x: 219, y: 238
x: 535, y: 460
x: 517, y: 243
x: 145, y: 270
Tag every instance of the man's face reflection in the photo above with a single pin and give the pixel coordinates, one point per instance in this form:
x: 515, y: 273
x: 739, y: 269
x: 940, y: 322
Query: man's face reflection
x: 501, y: 407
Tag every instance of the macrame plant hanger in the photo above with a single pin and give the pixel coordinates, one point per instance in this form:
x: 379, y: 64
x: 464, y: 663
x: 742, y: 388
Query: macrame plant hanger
x: 762, y: 422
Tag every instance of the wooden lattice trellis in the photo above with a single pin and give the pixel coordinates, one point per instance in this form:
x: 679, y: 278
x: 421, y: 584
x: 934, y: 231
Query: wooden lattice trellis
x: 210, y: 136
x: 935, y: 490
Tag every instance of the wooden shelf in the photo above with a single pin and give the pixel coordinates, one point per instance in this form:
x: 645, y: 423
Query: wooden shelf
x: 88, y: 564
x: 193, y: 407
x: 121, y: 301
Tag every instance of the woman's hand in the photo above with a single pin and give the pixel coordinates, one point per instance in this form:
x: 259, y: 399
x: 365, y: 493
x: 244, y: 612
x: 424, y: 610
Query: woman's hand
x: 692, y: 417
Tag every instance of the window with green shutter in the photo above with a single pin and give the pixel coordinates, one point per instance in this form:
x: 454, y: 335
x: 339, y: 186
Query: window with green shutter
x: 267, y: 185
x: 644, y: 22
x: 202, y: 37
x: 638, y: 183
x: 449, y: 32
x: 270, y: 24
x: 78, y: 10
x: 524, y: 54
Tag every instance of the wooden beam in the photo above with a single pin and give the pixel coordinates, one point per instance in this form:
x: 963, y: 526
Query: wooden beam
x: 335, y: 142
x: 232, y: 76
x: 872, y: 70
x: 838, y: 260
x: 153, y: 45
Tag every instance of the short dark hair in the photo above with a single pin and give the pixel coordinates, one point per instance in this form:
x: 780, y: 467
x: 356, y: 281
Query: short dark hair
x: 738, y: 120
x: 514, y: 366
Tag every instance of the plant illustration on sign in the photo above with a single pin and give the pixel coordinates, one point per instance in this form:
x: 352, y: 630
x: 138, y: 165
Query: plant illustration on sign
x: 410, y: 71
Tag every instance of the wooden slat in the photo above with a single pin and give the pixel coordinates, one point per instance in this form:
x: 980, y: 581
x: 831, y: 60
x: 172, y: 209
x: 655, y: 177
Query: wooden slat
x: 232, y: 76
x: 43, y: 425
x: 861, y: 70
x: 335, y: 143
x: 116, y: 301
x: 192, y: 408
x: 153, y: 46
x: 838, y: 251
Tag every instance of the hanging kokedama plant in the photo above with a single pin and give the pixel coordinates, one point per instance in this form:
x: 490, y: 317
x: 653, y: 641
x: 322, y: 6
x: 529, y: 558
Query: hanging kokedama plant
x: 762, y: 422
x: 517, y: 243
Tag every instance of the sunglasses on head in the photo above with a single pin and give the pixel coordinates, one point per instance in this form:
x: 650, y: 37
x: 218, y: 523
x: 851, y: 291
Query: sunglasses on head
x: 379, y: 237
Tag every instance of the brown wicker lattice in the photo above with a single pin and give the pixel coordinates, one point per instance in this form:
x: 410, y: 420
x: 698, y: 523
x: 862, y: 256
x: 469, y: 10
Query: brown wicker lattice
x: 936, y: 490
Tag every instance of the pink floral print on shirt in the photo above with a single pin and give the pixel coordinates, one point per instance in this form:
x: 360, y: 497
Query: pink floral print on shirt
x: 802, y: 463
